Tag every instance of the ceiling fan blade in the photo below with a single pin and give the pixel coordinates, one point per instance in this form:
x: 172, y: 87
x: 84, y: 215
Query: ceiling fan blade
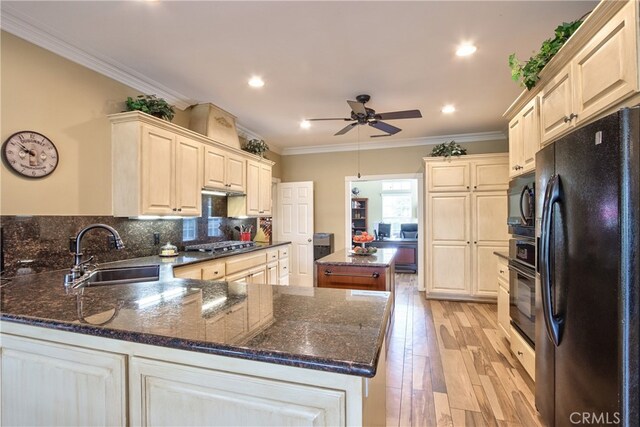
x: 395, y: 115
x: 380, y: 136
x: 334, y: 118
x: 385, y: 127
x: 346, y: 129
x: 357, y: 107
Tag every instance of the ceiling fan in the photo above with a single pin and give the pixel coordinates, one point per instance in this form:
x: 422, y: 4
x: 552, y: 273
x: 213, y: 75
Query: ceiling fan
x: 361, y: 115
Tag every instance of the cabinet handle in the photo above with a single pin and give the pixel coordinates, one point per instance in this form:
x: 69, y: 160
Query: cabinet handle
x: 284, y: 268
x: 260, y: 211
x: 373, y: 275
x: 520, y: 353
x: 501, y: 271
x: 570, y: 117
x: 179, y: 209
x: 174, y: 209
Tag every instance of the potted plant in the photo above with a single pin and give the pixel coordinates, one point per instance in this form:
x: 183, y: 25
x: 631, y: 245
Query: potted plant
x: 256, y: 146
x: 528, y: 72
x: 448, y: 149
x: 151, y: 104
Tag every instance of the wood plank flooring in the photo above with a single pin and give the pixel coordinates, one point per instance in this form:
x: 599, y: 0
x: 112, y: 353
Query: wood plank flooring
x: 448, y: 365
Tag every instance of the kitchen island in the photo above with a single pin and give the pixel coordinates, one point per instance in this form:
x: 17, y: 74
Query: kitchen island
x: 180, y: 352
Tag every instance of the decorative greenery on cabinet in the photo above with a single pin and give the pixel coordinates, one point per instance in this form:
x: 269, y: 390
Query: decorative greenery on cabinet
x: 448, y: 149
x: 528, y: 72
x: 151, y: 104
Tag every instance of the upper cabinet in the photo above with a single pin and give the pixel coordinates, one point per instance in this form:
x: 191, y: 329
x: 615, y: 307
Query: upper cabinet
x: 223, y: 170
x: 160, y: 169
x: 155, y: 171
x: 479, y: 172
x: 257, y: 202
x: 594, y: 74
x: 524, y: 139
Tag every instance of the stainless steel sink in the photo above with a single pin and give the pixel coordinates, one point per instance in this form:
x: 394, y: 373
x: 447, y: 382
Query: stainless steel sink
x: 121, y: 275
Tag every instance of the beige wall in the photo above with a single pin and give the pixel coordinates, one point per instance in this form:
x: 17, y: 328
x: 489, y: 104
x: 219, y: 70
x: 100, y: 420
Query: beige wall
x: 68, y: 103
x: 276, y: 172
x: 328, y: 170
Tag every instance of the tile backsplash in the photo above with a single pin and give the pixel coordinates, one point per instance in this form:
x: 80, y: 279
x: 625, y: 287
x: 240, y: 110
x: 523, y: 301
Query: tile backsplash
x: 41, y: 243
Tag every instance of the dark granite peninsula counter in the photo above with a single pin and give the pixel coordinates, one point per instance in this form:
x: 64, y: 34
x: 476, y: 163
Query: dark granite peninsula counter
x: 185, y: 347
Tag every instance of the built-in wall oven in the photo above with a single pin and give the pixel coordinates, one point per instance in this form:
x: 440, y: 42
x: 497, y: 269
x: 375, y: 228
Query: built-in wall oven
x: 522, y: 285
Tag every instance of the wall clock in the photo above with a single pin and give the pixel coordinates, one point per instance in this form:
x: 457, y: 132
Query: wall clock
x: 30, y: 154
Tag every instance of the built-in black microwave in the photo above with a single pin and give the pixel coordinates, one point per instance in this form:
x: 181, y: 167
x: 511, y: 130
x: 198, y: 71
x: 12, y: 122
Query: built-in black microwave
x: 521, y: 220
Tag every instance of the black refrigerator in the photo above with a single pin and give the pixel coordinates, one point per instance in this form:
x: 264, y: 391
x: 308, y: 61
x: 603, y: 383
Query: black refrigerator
x: 587, y: 228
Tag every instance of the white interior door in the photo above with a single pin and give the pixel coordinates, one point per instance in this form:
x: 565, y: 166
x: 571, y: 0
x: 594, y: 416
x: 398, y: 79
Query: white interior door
x: 295, y: 225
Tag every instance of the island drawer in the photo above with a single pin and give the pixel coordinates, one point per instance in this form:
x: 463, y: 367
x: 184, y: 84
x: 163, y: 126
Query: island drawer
x: 283, y: 267
x: 284, y: 252
x: 237, y: 264
x: 349, y: 277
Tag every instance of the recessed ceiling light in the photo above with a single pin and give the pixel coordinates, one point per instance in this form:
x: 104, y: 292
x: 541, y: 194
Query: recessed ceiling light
x: 256, y: 81
x: 448, y: 109
x: 305, y: 124
x: 466, y: 49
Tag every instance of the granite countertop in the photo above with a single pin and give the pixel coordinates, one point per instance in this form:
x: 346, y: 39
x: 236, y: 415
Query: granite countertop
x: 382, y: 258
x: 323, y: 329
x: 502, y: 254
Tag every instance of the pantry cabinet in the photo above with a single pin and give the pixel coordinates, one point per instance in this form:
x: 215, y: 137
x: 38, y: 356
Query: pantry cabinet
x: 504, y: 320
x: 465, y: 227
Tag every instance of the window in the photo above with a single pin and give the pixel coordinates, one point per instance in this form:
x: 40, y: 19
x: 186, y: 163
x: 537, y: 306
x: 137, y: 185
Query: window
x: 399, y: 203
x: 189, y: 229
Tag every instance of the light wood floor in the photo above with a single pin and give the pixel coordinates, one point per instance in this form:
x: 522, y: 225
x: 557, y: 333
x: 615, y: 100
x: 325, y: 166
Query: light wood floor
x: 449, y: 366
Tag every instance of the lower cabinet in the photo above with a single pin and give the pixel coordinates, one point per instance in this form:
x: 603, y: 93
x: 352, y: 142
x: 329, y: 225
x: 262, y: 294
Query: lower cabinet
x: 56, y: 384
x: 523, y: 352
x: 166, y: 394
x: 504, y: 319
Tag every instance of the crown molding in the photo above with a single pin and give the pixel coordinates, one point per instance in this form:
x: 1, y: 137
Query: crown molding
x: 395, y: 143
x: 34, y: 32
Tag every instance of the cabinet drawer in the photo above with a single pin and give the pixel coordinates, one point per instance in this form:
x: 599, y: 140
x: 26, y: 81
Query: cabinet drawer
x: 188, y: 272
x: 283, y: 252
x: 272, y: 255
x: 213, y: 271
x: 245, y: 262
x: 283, y: 267
x: 346, y: 277
x: 503, y: 270
x: 523, y: 353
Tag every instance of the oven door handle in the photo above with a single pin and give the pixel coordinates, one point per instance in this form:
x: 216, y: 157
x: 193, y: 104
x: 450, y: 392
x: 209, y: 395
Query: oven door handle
x: 525, y: 190
x: 521, y: 271
x: 554, y: 323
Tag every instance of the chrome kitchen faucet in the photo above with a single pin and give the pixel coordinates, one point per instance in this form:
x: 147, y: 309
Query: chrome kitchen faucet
x: 77, y: 273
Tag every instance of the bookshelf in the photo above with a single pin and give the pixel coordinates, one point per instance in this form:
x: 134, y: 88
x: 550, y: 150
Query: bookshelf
x: 359, y: 209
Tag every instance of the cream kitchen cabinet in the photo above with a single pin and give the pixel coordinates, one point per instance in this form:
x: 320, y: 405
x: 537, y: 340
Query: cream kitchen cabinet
x: 228, y: 326
x: 283, y: 265
x: 465, y: 227
x: 595, y: 73
x: 169, y: 394
x: 524, y: 139
x: 155, y: 171
x: 36, y: 373
x: 504, y: 320
x: 257, y: 201
x: 223, y: 170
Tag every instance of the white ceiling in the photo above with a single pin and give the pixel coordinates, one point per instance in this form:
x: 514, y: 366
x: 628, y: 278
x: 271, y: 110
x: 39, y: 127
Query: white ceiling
x: 312, y: 55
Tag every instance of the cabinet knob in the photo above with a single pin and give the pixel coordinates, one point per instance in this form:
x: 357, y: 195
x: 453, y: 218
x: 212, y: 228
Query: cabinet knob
x: 179, y: 209
x: 475, y: 243
x: 309, y: 240
x: 501, y: 271
x: 284, y: 268
x: 174, y: 209
x: 520, y: 353
x: 467, y: 187
x: 475, y: 187
x: 467, y: 242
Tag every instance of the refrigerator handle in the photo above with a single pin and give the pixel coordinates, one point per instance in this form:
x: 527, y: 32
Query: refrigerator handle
x: 553, y: 195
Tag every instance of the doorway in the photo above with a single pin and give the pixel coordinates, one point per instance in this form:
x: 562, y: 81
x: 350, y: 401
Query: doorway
x: 391, y: 208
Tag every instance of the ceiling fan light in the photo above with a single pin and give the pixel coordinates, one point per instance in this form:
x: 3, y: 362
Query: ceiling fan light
x: 256, y: 82
x: 305, y: 124
x: 466, y: 49
x: 448, y: 109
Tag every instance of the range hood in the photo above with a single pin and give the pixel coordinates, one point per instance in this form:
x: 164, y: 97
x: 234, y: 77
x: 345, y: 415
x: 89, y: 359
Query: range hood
x: 225, y: 193
x: 215, y: 123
